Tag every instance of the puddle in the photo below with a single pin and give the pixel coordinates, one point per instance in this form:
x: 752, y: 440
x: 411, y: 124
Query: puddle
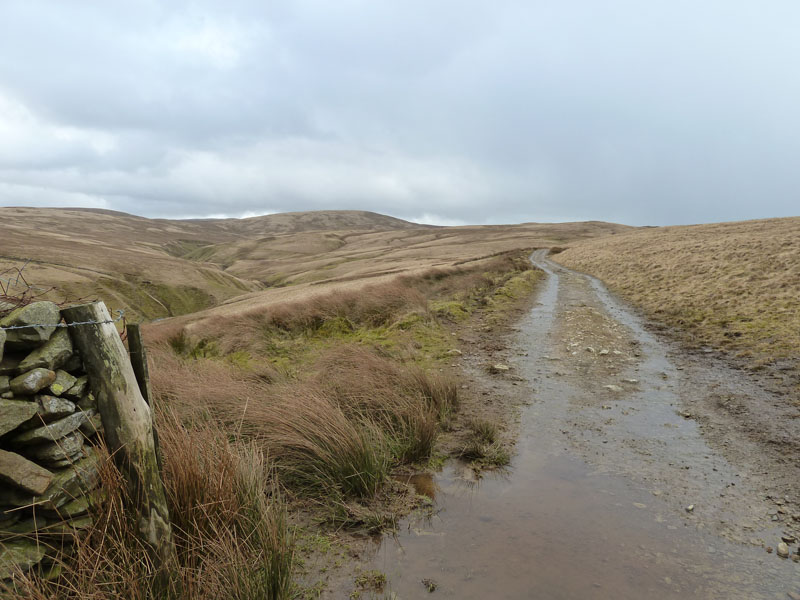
x: 424, y: 484
x: 556, y: 526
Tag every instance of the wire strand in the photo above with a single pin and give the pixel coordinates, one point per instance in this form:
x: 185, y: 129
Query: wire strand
x: 120, y: 313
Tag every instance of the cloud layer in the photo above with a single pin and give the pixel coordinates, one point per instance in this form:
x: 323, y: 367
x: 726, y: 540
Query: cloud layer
x: 447, y: 112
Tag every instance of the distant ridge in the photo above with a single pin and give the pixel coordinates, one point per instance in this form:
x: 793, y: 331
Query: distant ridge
x: 277, y: 223
x: 322, y: 220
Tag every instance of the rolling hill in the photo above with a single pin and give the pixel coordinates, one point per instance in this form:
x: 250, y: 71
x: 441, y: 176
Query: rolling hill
x: 156, y: 267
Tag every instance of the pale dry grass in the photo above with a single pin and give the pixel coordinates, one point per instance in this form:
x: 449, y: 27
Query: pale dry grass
x: 156, y: 268
x: 733, y: 286
x: 229, y: 525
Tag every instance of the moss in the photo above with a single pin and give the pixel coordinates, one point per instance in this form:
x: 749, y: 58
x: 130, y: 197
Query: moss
x: 410, y: 321
x: 450, y: 309
x: 507, y: 295
x: 336, y: 327
x: 240, y: 358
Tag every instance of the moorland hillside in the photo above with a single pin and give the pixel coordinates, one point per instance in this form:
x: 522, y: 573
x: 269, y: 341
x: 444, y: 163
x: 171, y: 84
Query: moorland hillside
x: 156, y: 268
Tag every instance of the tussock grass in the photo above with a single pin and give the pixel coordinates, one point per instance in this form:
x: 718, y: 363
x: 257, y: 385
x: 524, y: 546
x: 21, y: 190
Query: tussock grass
x: 732, y: 286
x: 320, y: 449
x: 229, y: 523
x: 356, y: 401
x: 452, y: 292
x: 404, y: 400
x: 482, y: 444
x: 231, y: 425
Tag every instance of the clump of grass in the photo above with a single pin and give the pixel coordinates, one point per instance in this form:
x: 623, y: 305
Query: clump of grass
x: 483, y: 446
x: 372, y: 581
x: 405, y: 401
x: 319, y: 449
x: 366, y: 518
x: 483, y: 430
x: 229, y: 525
x: 254, y: 559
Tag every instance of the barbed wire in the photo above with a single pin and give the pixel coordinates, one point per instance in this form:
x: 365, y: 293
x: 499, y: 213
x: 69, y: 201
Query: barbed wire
x: 120, y: 317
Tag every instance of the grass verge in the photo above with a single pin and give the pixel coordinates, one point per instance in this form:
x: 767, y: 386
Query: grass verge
x: 305, y: 408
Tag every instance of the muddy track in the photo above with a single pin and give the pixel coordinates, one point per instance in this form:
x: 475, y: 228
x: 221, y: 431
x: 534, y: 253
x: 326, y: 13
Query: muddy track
x: 640, y: 471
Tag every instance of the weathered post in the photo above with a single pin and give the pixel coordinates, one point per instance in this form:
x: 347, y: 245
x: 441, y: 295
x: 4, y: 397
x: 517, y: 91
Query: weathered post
x: 139, y: 361
x: 128, y: 426
x: 138, y: 355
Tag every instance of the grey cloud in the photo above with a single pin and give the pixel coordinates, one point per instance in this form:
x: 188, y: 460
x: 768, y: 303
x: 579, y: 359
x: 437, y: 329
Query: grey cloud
x: 645, y: 113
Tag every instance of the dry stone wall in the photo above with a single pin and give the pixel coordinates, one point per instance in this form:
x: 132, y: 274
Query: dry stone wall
x: 49, y: 425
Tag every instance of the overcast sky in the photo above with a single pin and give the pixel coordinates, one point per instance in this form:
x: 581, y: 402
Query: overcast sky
x: 440, y: 111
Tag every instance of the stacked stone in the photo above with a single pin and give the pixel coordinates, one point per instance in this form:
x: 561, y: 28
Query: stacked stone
x: 48, y: 418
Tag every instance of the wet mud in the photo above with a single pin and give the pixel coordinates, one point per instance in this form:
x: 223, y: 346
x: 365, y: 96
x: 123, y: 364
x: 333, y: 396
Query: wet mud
x: 626, y: 482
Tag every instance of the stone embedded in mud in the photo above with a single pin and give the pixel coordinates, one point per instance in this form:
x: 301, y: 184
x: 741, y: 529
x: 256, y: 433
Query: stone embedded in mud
x: 52, y: 431
x: 26, y: 475
x: 19, y: 555
x: 14, y: 413
x: 613, y: 388
x: 39, y: 320
x: 499, y: 368
x: 64, y: 381
x: 31, y: 382
x: 783, y: 550
x: 53, y: 354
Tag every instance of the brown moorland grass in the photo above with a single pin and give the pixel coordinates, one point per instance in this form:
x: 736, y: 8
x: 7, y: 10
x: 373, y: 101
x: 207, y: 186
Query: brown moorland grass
x: 731, y: 286
x: 370, y: 305
x: 332, y: 431
x: 359, y: 404
x: 229, y: 523
x: 156, y: 267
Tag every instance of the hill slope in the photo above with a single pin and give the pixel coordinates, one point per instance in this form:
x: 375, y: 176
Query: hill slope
x: 300, y: 222
x: 158, y: 267
x: 733, y: 286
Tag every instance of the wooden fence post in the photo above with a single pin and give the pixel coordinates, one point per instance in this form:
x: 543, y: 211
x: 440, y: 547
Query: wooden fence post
x: 139, y: 361
x: 138, y: 355
x: 128, y: 426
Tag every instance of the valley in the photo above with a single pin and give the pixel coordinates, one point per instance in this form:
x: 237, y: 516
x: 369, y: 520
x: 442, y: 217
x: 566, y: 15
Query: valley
x: 459, y: 410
